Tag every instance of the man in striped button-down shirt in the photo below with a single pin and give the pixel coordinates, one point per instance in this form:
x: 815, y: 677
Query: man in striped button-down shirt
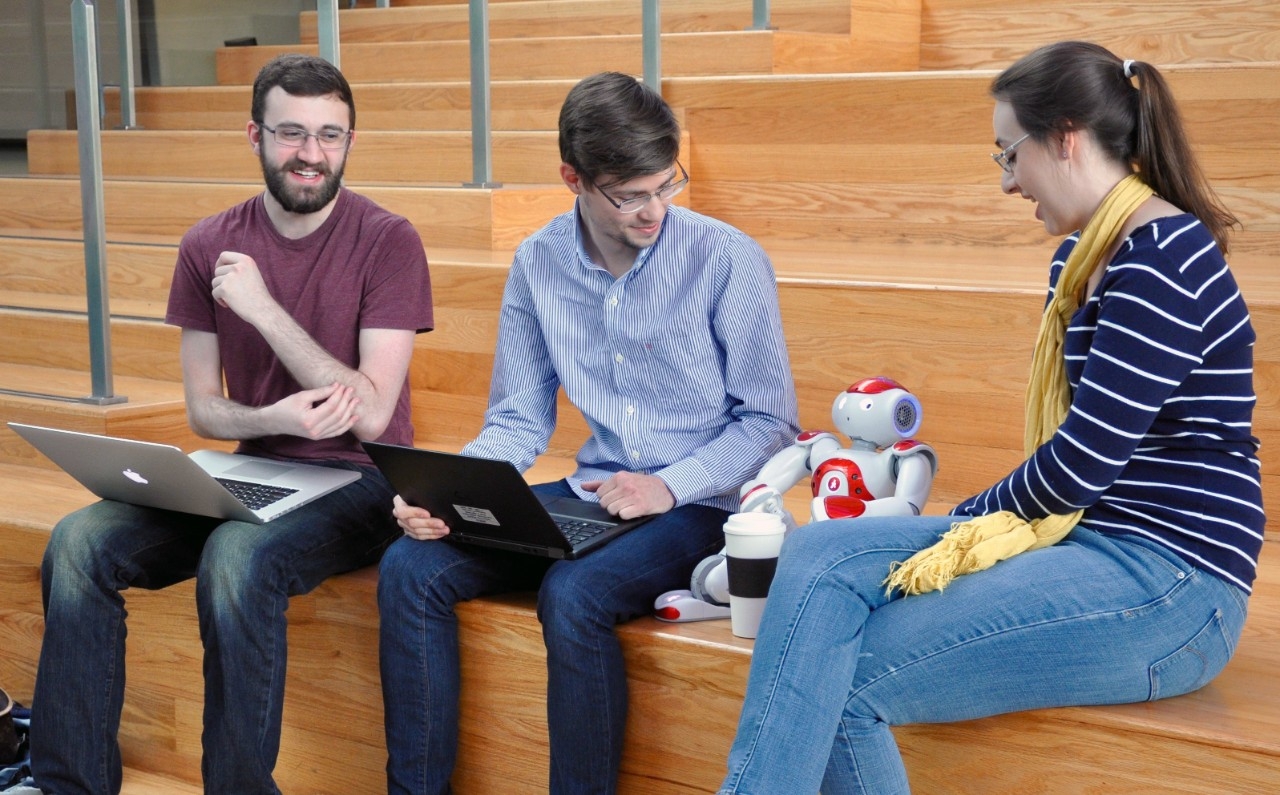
x: 662, y: 326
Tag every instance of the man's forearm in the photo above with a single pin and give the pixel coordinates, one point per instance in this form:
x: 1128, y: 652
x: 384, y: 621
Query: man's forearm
x: 309, y: 364
x: 384, y: 353
x: 219, y: 418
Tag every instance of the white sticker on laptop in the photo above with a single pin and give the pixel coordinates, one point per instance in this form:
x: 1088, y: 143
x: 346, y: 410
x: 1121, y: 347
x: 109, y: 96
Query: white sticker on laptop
x: 477, y: 515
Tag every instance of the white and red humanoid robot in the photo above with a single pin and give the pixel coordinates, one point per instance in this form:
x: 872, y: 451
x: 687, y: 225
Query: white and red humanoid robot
x: 883, y: 472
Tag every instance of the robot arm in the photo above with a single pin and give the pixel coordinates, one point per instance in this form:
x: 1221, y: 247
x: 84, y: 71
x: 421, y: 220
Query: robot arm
x: 782, y: 471
x: 915, y: 479
x: 914, y: 466
x: 708, y: 593
x: 785, y: 469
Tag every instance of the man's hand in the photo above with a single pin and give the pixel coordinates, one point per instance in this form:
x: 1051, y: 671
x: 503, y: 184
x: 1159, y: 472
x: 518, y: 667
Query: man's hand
x: 317, y: 413
x: 627, y: 495
x: 238, y: 285
x: 417, y: 522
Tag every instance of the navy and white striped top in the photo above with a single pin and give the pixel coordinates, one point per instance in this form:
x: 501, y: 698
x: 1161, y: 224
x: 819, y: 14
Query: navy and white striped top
x: 679, y: 366
x: 1158, y: 441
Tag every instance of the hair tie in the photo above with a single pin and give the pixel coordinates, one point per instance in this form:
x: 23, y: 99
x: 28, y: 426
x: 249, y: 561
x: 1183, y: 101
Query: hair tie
x: 1128, y: 69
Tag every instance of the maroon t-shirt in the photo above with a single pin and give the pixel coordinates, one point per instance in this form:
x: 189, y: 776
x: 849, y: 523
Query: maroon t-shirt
x: 363, y: 268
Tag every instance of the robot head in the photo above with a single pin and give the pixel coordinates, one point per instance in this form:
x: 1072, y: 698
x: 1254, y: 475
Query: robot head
x: 877, y: 410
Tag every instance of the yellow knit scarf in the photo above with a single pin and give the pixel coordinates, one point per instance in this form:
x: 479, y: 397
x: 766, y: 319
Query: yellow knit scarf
x: 983, y: 541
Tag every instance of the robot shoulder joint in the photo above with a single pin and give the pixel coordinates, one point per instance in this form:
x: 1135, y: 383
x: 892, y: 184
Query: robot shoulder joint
x: 810, y: 438
x: 910, y: 447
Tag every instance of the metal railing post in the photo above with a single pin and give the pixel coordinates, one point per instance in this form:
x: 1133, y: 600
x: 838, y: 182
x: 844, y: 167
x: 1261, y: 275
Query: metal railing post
x: 327, y: 31
x: 651, y: 27
x: 39, y: 57
x: 124, y: 24
x: 88, y: 126
x: 481, y: 134
x: 760, y: 15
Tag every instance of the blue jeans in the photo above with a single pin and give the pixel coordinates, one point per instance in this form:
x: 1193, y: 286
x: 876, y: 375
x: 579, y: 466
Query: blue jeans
x: 1095, y: 619
x: 245, y: 574
x: 579, y: 602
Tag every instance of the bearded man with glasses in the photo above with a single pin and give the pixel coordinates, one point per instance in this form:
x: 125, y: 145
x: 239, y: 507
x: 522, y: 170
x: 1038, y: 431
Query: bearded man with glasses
x: 662, y: 326
x: 298, y: 311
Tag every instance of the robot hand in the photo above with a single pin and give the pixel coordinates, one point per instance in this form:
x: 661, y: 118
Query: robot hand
x: 766, y: 499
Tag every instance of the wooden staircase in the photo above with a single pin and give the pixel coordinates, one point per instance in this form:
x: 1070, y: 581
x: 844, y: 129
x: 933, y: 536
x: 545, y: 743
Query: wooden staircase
x: 852, y: 142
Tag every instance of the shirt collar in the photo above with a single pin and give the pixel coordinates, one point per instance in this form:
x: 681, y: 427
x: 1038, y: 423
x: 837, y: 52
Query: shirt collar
x: 642, y: 256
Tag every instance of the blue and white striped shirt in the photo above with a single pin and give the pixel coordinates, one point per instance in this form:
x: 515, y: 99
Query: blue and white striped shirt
x: 679, y: 366
x: 1159, y: 440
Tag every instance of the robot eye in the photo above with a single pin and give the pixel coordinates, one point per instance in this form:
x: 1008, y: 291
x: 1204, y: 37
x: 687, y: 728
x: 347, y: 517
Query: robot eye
x: 867, y: 404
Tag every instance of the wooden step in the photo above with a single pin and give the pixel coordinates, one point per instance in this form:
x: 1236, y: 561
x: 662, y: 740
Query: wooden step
x: 377, y: 157
x: 743, y: 52
x: 514, y: 105
x: 141, y: 348
x: 962, y: 346
x: 510, y: 20
x: 49, y: 274
x: 739, y: 124
x: 803, y: 172
x: 965, y: 34
x: 154, y: 410
x: 776, y: 156
x: 160, y: 211
x: 686, y: 684
x: 144, y: 782
x: 958, y: 332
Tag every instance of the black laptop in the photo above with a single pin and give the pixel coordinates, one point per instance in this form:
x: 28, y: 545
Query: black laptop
x: 489, y: 502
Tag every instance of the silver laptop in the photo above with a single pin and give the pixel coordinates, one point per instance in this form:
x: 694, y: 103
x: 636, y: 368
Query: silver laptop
x: 488, y: 502
x: 207, y: 482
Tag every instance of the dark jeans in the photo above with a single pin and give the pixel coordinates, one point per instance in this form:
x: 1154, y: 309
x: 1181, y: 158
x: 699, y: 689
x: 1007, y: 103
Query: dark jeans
x: 579, y: 602
x: 245, y: 574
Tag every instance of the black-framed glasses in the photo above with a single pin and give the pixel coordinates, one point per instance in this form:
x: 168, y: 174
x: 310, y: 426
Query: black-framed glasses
x: 1004, y: 158
x: 295, y: 137
x: 637, y: 203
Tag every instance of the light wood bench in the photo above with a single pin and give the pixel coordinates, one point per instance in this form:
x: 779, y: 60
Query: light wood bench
x: 524, y: 19
x: 958, y: 334
x: 686, y: 685
x: 739, y: 52
x: 967, y: 34
x: 514, y: 105
x: 139, y: 211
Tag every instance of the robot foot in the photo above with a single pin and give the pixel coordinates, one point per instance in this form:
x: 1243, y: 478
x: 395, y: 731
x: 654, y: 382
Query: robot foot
x: 681, y: 606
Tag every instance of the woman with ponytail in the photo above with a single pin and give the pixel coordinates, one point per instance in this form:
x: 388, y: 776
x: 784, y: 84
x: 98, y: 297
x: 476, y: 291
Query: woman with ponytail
x: 1115, y: 563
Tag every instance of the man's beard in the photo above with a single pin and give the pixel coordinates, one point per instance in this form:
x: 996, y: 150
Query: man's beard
x: 299, y: 200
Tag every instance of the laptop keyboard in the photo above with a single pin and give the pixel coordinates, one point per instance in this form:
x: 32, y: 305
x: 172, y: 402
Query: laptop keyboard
x: 580, y: 530
x: 255, y: 495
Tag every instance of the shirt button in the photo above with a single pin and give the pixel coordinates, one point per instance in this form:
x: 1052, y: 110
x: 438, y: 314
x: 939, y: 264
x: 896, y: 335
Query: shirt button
x: 631, y: 409
x: 635, y: 455
x: 613, y: 301
x: 617, y: 357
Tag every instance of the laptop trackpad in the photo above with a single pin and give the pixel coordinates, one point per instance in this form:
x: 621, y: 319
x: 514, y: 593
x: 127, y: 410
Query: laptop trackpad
x: 259, y: 470
x: 577, y: 509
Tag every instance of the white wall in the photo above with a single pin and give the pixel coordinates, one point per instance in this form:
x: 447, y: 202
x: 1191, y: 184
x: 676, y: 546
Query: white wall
x: 36, y: 60
x: 189, y: 31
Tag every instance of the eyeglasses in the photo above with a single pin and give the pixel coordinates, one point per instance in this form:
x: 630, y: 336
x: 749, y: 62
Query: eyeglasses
x: 1004, y: 158
x: 637, y: 203
x: 293, y: 137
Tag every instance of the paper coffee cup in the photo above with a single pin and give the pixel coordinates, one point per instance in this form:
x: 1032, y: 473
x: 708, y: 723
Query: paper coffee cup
x: 751, y: 545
